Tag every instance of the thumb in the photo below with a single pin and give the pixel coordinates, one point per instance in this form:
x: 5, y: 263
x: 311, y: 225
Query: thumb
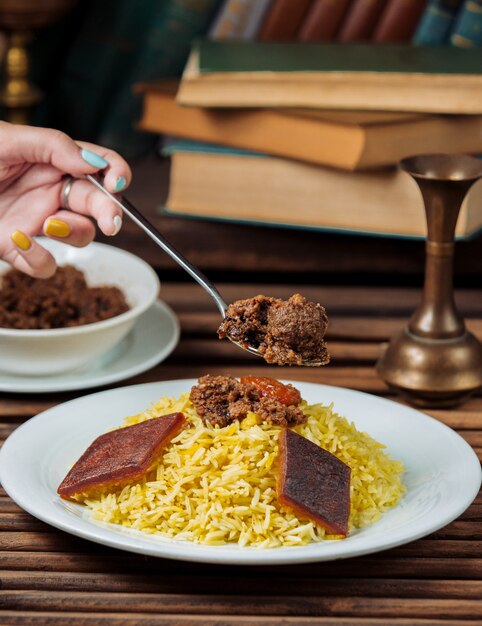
x: 29, y: 144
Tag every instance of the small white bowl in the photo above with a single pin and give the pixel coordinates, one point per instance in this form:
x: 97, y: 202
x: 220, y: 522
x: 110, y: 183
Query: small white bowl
x: 52, y: 351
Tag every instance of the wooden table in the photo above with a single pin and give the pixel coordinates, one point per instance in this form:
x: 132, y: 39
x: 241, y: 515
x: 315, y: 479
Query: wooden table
x: 50, y: 577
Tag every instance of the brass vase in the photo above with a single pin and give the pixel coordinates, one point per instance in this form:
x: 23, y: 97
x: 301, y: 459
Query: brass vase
x: 19, y: 19
x: 435, y: 361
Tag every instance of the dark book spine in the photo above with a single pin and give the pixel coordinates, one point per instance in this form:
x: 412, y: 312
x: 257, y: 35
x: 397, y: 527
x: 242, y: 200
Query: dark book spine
x: 283, y: 20
x: 97, y: 62
x: 399, y: 20
x: 361, y: 20
x: 323, y: 20
x: 219, y: 56
x: 436, y: 22
x: 467, y: 28
x: 48, y: 51
x: 167, y: 42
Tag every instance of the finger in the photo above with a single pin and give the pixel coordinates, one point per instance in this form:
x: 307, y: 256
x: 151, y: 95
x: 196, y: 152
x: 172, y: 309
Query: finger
x: 86, y: 199
x: 69, y: 227
x: 30, y: 257
x: 30, y: 144
x: 118, y: 175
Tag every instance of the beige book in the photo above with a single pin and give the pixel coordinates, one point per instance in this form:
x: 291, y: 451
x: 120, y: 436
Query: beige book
x: 270, y: 190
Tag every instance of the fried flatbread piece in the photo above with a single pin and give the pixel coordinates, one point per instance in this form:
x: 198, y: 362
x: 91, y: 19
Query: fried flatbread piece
x: 314, y: 483
x: 121, y: 456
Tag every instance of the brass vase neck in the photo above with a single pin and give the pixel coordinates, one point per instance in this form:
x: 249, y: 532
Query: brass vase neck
x: 444, y: 182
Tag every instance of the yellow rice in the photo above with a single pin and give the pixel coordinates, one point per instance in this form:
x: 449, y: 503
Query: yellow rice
x: 218, y: 485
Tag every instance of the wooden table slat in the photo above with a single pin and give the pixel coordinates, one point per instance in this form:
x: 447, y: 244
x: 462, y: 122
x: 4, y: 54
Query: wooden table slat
x: 326, y: 586
x: 341, y: 327
x: 25, y: 618
x: 200, y: 604
x: 66, y: 565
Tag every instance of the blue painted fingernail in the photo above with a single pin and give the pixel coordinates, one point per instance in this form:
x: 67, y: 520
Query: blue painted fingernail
x: 117, y: 225
x: 93, y: 159
x: 120, y: 184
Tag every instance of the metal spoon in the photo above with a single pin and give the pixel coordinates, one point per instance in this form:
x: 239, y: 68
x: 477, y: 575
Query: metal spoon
x: 137, y: 217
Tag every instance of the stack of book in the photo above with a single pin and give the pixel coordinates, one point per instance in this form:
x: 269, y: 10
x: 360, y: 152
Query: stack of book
x: 309, y: 135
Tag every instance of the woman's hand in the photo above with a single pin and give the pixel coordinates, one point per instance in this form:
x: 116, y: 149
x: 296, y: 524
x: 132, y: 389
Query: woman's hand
x: 33, y: 162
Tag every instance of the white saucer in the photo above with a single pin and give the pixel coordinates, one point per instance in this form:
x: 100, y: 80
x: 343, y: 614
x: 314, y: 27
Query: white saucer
x: 152, y: 339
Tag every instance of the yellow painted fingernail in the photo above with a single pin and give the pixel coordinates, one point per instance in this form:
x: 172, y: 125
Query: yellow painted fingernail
x: 57, y: 228
x: 21, y: 240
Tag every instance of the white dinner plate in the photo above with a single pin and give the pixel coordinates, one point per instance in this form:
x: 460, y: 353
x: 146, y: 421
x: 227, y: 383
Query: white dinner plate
x: 442, y: 475
x: 151, y: 340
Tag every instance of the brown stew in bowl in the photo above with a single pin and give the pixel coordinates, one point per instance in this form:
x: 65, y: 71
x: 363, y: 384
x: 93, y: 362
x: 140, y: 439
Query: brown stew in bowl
x: 62, y: 301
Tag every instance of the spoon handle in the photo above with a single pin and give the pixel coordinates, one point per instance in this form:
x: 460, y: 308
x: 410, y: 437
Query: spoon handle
x: 139, y: 219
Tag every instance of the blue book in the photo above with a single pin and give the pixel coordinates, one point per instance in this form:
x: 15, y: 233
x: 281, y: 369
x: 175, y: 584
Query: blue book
x: 467, y: 28
x: 436, y: 22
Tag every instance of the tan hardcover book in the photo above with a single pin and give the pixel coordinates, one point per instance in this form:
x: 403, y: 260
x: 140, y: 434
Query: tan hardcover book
x: 424, y: 79
x: 346, y: 139
x: 244, y: 187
